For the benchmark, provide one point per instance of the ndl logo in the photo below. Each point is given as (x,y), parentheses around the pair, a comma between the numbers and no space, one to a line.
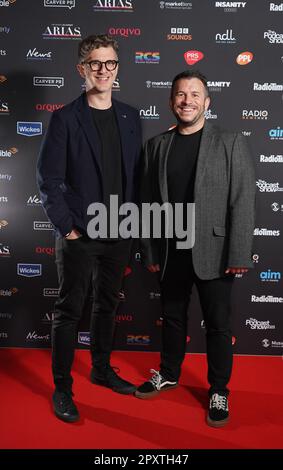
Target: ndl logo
(29,270)
(29,129)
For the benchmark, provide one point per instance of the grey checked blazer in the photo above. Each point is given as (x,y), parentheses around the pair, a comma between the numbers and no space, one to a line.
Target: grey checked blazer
(224,196)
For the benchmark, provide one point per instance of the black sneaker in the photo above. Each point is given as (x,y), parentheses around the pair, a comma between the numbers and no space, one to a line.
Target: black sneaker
(108,378)
(155,385)
(64,407)
(218,412)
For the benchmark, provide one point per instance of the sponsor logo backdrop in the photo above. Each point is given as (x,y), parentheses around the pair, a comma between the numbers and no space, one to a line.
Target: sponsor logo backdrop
(238,45)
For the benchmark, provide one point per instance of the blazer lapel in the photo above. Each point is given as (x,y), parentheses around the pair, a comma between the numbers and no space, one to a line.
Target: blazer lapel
(205,144)
(164,149)
(85,119)
(126,130)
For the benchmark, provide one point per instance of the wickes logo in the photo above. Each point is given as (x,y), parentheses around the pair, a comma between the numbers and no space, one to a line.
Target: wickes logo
(29,270)
(29,129)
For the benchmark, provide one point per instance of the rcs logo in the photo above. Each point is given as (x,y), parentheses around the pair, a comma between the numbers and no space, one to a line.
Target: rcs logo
(147,57)
(138,340)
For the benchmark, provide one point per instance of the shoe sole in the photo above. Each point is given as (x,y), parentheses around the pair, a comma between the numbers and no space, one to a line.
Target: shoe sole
(145,396)
(217,424)
(127,391)
(66,419)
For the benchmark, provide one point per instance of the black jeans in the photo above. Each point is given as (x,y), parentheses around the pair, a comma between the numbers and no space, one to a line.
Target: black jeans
(214,298)
(79,263)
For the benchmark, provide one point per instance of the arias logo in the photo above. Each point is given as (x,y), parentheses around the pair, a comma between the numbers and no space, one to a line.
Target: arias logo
(192,57)
(244,58)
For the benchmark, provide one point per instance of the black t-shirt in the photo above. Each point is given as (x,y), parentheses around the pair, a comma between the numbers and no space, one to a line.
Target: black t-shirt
(108,131)
(181,167)
(181,171)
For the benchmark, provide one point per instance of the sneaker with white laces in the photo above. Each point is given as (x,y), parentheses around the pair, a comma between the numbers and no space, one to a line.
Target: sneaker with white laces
(218,412)
(155,385)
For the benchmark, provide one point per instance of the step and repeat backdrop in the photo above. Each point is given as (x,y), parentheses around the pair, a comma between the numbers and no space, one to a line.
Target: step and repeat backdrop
(238,46)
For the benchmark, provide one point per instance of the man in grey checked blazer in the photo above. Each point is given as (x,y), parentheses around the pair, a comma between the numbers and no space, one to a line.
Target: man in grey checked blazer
(198,162)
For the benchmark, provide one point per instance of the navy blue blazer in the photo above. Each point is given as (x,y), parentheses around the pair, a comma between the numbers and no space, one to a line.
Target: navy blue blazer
(69,169)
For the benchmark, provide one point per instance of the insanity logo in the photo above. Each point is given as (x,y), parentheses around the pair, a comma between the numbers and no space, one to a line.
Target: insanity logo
(230,7)
(62,31)
(124,6)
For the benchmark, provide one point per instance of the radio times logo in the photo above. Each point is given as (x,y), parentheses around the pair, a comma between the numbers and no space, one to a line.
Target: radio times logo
(147,57)
(29,129)
(271,158)
(266,299)
(267,86)
(276,7)
(122,6)
(8,153)
(62,31)
(179,34)
(60,3)
(48,81)
(264,232)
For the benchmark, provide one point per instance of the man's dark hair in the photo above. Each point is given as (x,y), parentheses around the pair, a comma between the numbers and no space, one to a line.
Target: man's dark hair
(94,42)
(188,74)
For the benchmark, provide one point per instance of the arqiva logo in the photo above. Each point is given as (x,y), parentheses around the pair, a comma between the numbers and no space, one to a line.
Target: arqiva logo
(191,57)
(244,58)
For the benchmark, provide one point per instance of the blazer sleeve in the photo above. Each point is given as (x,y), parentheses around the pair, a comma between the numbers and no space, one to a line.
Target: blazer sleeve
(148,247)
(51,171)
(242,205)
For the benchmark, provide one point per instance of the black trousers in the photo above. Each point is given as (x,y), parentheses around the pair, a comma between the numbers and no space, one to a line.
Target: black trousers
(80,263)
(214,298)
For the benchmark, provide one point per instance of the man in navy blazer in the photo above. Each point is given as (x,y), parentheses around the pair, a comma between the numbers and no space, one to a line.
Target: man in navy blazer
(91,151)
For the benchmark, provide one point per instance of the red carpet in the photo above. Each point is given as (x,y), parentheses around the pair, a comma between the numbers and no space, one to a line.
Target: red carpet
(174,419)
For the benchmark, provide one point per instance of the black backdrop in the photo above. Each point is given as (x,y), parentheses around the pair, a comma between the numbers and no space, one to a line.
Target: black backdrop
(238,45)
